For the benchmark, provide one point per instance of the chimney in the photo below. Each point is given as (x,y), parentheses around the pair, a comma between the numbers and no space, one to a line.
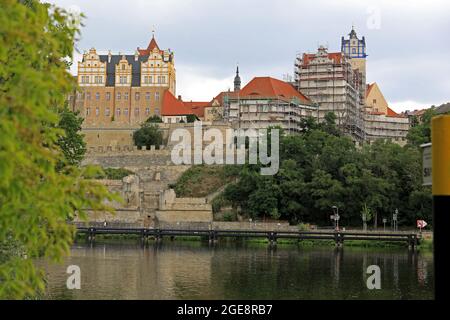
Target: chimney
(136,56)
(109,56)
(179,97)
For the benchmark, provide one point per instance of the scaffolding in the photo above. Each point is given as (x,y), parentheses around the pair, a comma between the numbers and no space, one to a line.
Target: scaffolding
(334,86)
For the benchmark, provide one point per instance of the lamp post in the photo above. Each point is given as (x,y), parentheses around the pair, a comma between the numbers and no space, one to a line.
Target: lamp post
(336,217)
(394,219)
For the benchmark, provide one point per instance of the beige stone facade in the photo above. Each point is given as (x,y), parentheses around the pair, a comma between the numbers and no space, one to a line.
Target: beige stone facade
(123,90)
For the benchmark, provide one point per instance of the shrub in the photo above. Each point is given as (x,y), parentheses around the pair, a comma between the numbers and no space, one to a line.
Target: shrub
(148,135)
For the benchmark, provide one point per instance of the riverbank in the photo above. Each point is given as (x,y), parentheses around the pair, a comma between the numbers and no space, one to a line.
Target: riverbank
(425,244)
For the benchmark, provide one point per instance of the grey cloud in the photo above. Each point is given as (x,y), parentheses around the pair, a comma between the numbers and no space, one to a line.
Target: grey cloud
(264,36)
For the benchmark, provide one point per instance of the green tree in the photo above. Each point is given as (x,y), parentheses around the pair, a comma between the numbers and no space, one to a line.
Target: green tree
(148,135)
(264,200)
(154,119)
(329,124)
(420,133)
(36,199)
(191,118)
(71,142)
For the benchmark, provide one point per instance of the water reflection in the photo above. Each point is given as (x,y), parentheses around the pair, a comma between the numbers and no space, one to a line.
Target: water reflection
(194,270)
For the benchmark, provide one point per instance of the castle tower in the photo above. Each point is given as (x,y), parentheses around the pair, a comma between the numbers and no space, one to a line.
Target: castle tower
(355,49)
(237,81)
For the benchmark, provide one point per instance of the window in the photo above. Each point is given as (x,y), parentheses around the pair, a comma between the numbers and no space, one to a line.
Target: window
(137,96)
(163,79)
(147,95)
(97,112)
(123,80)
(118,96)
(125,112)
(88,111)
(148,79)
(118,111)
(159,79)
(107,112)
(84,79)
(98,79)
(123,67)
(147,111)
(156,96)
(136,111)
(108,96)
(88,96)
(157,111)
(353,50)
(125,95)
(374,101)
(97,96)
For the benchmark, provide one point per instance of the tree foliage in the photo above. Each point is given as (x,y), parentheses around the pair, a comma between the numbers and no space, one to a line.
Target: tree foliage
(36,199)
(320,168)
(148,135)
(420,132)
(71,142)
(191,118)
(154,119)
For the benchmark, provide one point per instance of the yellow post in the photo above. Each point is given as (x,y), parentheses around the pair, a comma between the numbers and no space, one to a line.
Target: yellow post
(440,139)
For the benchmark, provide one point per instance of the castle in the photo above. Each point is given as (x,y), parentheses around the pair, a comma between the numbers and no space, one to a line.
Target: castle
(119,89)
(119,92)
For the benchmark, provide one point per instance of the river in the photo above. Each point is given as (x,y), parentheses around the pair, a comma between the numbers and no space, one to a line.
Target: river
(197,270)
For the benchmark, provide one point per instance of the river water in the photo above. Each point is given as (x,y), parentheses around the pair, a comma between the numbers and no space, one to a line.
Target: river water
(197,270)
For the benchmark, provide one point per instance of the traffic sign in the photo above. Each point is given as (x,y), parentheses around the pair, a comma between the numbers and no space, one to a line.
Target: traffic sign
(421,224)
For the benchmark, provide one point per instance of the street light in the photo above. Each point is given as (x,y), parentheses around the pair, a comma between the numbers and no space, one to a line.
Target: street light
(336,216)
(395,219)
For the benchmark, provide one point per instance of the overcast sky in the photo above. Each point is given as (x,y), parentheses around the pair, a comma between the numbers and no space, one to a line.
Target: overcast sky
(407,40)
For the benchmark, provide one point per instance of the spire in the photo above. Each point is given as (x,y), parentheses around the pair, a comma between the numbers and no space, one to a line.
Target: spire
(352,33)
(152,45)
(237,80)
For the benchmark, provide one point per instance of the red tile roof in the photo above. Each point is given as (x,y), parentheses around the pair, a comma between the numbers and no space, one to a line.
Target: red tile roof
(268,87)
(197,108)
(173,107)
(152,45)
(220,97)
(392,113)
(389,113)
(308,57)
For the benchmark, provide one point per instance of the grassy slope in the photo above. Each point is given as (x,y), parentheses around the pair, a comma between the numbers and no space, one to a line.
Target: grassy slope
(202,180)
